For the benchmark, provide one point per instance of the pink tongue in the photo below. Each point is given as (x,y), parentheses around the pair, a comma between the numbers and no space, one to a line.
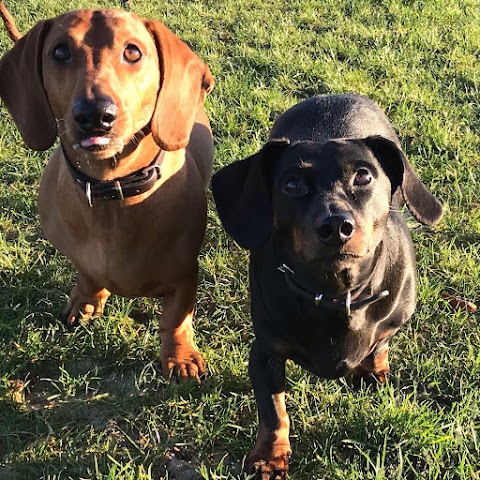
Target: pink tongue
(88,142)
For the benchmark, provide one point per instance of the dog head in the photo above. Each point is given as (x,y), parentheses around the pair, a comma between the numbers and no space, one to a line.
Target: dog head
(97,78)
(326,203)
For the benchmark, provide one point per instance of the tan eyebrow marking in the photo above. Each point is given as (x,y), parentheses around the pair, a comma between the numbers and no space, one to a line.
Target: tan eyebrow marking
(303,163)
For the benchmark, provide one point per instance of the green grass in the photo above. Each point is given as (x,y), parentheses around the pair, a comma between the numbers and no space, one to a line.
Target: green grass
(94,405)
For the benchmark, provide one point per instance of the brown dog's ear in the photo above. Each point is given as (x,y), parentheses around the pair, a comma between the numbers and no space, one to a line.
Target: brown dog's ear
(185,82)
(22,91)
(242,193)
(421,203)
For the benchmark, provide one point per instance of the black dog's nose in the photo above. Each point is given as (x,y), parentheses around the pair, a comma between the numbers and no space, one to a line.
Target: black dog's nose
(341,369)
(95,115)
(336,229)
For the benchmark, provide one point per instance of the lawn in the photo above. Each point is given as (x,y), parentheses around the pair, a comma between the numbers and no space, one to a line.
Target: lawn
(91,403)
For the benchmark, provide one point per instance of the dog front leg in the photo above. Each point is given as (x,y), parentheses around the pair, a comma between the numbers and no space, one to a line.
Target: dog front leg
(178,354)
(86,299)
(269,459)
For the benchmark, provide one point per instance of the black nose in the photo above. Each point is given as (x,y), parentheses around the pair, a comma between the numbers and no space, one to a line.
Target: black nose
(95,115)
(341,369)
(336,229)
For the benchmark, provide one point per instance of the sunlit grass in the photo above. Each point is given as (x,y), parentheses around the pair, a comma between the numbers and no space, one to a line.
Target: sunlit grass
(92,403)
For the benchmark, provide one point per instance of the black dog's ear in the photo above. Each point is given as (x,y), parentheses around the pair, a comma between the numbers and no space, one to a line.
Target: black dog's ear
(242,193)
(421,203)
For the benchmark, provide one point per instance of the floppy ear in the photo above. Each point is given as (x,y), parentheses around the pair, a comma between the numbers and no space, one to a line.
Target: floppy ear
(421,203)
(242,193)
(185,82)
(22,91)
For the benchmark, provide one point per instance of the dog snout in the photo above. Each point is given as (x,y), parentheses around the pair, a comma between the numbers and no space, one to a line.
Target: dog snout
(95,115)
(342,368)
(335,229)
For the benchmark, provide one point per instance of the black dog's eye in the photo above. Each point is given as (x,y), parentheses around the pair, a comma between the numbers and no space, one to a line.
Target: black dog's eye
(294,187)
(61,53)
(132,53)
(362,177)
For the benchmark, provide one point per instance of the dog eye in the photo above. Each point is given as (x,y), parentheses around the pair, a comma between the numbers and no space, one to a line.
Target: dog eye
(61,53)
(132,53)
(294,187)
(362,177)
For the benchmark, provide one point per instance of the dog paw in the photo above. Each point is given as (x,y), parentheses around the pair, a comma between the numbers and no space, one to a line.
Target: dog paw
(79,313)
(275,468)
(184,363)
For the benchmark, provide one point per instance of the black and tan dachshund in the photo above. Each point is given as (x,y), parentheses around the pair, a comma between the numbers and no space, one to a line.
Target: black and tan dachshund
(332,266)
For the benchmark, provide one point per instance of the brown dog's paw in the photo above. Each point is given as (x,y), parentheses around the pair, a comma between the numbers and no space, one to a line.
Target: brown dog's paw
(77,313)
(275,468)
(184,363)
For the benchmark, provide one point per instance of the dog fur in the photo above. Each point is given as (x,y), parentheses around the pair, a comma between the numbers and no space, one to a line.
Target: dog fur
(117,89)
(321,201)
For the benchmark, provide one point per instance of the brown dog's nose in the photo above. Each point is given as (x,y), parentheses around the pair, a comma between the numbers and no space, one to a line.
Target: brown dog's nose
(95,115)
(336,229)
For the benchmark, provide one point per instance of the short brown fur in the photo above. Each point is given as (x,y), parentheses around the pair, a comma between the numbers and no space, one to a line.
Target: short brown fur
(144,245)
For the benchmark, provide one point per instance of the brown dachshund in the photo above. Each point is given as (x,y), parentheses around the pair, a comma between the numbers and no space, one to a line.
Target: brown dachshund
(123,196)
(332,267)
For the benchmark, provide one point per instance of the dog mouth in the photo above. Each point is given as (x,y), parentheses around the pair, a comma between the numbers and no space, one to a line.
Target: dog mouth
(336,257)
(98,145)
(341,256)
(93,143)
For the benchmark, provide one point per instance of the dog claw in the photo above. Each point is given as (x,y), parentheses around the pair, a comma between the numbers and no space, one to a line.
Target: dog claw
(264,472)
(75,316)
(273,469)
(184,365)
(80,313)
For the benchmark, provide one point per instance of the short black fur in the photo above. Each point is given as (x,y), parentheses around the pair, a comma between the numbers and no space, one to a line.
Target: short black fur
(322,198)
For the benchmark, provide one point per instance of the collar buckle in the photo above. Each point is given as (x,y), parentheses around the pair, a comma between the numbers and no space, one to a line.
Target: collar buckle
(120,188)
(284,268)
(348,303)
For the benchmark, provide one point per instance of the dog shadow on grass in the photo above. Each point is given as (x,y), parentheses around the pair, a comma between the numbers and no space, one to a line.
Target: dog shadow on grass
(92,401)
(85,416)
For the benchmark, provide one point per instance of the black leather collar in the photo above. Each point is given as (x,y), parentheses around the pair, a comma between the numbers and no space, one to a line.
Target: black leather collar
(347,304)
(122,187)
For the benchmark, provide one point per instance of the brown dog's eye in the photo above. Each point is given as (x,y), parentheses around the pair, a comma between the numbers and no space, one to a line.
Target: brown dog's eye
(61,53)
(362,177)
(132,53)
(294,187)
